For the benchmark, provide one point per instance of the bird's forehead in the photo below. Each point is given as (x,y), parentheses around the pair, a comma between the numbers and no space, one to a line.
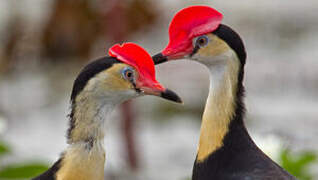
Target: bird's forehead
(117,68)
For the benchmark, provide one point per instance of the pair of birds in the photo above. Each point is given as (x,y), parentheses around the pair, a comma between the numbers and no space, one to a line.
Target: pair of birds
(225,152)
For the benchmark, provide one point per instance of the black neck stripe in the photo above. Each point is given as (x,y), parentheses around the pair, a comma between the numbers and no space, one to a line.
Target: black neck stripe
(233,40)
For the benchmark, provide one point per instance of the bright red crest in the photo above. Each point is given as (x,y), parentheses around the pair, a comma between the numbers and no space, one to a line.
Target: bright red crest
(135,56)
(188,23)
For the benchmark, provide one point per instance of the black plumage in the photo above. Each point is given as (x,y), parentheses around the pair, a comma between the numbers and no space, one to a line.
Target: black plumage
(50,173)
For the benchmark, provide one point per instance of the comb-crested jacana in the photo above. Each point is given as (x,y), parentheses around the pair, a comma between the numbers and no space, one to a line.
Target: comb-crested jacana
(127,73)
(226,150)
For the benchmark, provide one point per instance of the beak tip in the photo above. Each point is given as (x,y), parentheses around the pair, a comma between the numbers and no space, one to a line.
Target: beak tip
(159,58)
(179,101)
(172,96)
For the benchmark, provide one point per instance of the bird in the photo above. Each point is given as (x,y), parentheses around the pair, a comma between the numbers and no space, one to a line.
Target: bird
(225,151)
(128,72)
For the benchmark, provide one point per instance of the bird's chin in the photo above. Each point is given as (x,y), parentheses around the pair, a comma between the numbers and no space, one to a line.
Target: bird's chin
(193,58)
(209,61)
(126,95)
(134,94)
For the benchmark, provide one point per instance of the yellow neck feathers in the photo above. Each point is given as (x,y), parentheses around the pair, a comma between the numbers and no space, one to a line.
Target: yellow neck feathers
(220,107)
(88,120)
(82,163)
(85,156)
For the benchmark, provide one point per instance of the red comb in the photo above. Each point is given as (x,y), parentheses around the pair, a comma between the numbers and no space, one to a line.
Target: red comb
(135,56)
(188,23)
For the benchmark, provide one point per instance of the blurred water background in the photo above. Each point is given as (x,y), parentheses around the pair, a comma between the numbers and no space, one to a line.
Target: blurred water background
(44,44)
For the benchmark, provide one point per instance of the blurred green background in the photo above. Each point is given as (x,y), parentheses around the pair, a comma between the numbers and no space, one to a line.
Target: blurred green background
(44,44)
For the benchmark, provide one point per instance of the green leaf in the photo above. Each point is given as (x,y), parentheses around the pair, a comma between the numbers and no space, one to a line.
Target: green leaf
(21,171)
(4,149)
(298,164)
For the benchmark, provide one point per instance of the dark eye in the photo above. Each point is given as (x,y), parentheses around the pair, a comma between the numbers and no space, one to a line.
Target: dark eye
(202,41)
(128,74)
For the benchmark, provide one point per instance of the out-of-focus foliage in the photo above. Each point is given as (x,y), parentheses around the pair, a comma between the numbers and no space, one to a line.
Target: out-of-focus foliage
(298,164)
(4,149)
(22,171)
(73,28)
(71,31)
(140,13)
(18,171)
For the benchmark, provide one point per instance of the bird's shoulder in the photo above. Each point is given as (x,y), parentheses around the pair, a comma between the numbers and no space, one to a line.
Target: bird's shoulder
(250,164)
(50,173)
(257,166)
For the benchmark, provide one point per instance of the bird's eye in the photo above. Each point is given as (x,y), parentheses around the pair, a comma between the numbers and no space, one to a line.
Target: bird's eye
(128,74)
(202,41)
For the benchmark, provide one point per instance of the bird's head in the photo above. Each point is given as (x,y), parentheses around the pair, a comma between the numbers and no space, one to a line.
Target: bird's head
(196,33)
(127,73)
